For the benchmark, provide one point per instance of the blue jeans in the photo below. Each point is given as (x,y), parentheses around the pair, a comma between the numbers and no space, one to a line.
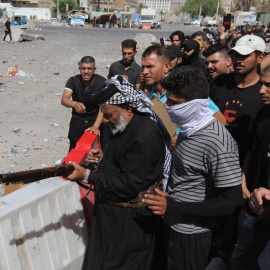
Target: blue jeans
(251,242)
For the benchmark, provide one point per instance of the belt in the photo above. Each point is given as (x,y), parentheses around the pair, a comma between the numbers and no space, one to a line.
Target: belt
(135,203)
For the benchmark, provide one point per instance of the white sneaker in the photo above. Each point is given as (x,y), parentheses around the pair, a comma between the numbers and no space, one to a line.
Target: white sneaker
(216,263)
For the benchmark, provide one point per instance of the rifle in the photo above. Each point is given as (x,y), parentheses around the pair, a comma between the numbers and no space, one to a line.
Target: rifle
(78,154)
(25,177)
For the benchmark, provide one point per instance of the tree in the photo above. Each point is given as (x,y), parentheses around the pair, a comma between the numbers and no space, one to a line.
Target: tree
(209,7)
(72,4)
(140,6)
(2,12)
(178,11)
(245,5)
(264,8)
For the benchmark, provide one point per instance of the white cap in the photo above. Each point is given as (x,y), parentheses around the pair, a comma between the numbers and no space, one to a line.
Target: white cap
(248,44)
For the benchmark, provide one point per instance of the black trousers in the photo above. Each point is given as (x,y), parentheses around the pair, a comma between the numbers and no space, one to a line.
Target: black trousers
(121,238)
(77,128)
(187,251)
(7,33)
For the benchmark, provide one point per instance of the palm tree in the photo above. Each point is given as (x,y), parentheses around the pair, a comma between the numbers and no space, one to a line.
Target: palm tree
(245,5)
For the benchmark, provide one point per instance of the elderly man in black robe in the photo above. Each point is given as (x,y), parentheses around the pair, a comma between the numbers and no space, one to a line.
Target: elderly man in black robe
(123,231)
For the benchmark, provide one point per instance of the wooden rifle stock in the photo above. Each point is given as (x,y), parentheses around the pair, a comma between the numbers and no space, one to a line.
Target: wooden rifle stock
(29,176)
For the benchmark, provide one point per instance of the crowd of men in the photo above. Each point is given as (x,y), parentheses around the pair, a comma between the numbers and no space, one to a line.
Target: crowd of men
(175,201)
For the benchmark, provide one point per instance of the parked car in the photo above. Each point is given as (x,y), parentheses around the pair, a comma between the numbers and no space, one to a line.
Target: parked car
(208,21)
(187,22)
(195,22)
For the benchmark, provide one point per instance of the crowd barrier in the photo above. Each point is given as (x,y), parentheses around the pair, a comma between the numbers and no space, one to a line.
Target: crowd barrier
(42,226)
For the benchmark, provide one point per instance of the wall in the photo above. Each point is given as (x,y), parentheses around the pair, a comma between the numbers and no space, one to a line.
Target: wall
(40,13)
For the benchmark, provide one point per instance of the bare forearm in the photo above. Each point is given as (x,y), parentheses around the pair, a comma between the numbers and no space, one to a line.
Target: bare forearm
(99,119)
(68,102)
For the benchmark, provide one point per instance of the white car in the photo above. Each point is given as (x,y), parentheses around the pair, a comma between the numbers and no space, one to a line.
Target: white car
(208,21)
(196,22)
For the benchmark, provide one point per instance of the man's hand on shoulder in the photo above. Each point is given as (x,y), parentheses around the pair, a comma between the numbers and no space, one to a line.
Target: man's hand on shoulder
(156,203)
(79,107)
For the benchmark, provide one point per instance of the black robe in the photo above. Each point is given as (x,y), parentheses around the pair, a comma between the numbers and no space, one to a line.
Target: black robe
(124,238)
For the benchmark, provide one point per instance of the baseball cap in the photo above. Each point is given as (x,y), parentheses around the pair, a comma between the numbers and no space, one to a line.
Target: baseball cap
(248,44)
(191,44)
(174,51)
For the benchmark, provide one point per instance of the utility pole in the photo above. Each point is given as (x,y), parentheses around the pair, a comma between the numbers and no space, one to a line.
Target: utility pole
(200,10)
(57,10)
(217,10)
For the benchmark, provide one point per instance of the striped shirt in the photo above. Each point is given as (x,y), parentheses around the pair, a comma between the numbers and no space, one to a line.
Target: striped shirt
(202,163)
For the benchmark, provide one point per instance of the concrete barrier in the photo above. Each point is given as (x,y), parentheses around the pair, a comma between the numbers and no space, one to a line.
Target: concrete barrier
(145,40)
(42,227)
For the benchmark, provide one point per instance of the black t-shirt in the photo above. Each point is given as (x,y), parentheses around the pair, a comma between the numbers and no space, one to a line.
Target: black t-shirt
(259,169)
(7,25)
(133,72)
(239,106)
(83,94)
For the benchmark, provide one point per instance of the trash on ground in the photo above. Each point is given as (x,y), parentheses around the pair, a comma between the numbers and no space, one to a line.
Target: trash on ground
(54,125)
(46,140)
(59,161)
(59,94)
(16,130)
(59,138)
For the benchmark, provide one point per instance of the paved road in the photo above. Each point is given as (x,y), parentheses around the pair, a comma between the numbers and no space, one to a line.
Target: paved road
(119,34)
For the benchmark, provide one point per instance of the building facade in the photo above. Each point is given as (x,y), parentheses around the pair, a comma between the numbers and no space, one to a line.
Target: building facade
(226,4)
(162,5)
(31,3)
(176,5)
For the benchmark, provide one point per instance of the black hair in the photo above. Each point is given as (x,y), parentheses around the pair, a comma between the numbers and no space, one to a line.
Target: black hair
(221,48)
(187,82)
(266,70)
(180,34)
(129,43)
(257,53)
(199,33)
(87,60)
(158,50)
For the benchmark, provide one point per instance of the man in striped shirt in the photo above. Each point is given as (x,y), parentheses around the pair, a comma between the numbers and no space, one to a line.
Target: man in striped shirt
(205,180)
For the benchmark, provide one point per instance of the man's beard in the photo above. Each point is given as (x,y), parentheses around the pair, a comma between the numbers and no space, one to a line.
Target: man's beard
(244,74)
(121,124)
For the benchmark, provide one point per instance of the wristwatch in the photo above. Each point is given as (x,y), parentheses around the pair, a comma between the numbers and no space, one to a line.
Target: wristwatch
(85,179)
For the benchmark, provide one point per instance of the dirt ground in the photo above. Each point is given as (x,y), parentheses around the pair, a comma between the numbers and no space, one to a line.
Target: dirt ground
(31,103)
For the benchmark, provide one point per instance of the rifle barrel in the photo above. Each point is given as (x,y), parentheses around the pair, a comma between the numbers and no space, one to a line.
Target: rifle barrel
(35,175)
